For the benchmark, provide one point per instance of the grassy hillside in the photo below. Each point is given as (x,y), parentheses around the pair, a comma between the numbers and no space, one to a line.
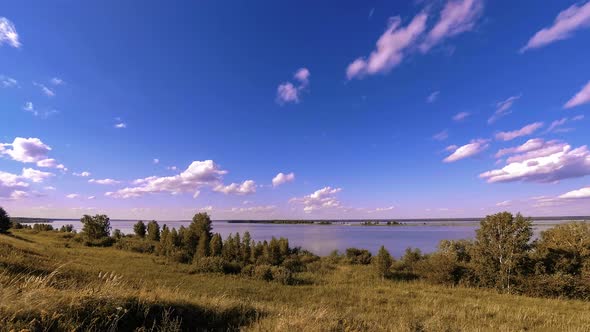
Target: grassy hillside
(48,282)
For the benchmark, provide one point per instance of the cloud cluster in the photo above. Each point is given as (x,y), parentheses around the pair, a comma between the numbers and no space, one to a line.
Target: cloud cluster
(8,33)
(8,82)
(577,194)
(540,161)
(474,147)
(524,131)
(566,23)
(13,186)
(399,41)
(320,199)
(288,92)
(282,178)
(503,108)
(199,174)
(582,97)
(104,181)
(30,150)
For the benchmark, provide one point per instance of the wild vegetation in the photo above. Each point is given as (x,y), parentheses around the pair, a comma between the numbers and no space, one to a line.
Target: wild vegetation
(172,280)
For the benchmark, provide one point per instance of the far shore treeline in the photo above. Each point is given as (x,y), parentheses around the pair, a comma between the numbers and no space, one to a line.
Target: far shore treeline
(503,255)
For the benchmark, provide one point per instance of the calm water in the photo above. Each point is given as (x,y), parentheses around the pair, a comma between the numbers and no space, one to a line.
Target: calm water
(322,239)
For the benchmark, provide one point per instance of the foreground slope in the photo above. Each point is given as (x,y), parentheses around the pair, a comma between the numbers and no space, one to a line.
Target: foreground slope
(48,282)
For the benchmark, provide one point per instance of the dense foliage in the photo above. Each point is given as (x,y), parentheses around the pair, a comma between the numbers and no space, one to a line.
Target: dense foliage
(5,223)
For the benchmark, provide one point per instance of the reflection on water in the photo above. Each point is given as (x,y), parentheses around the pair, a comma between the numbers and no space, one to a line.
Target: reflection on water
(323,239)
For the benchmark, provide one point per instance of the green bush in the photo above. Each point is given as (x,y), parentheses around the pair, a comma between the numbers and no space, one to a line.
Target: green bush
(209,265)
(136,245)
(5,223)
(282,275)
(42,227)
(262,272)
(67,228)
(358,256)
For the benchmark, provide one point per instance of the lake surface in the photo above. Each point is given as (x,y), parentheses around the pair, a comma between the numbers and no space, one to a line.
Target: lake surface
(323,239)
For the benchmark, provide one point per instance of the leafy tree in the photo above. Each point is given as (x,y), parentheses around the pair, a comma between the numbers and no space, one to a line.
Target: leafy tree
(96,227)
(139,229)
(203,246)
(500,249)
(358,256)
(201,223)
(153,231)
(565,249)
(5,223)
(246,247)
(383,262)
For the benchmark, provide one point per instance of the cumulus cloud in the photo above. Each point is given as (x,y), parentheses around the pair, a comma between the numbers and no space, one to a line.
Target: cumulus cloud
(26,150)
(199,174)
(432,97)
(72,196)
(574,18)
(540,161)
(245,188)
(10,184)
(120,125)
(457,16)
(443,135)
(8,33)
(503,108)
(391,48)
(288,92)
(8,82)
(324,198)
(577,194)
(34,175)
(56,81)
(282,178)
(460,116)
(82,174)
(468,150)
(104,181)
(582,97)
(524,131)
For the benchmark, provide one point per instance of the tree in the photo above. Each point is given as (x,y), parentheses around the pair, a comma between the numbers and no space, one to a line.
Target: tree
(501,248)
(201,223)
(203,246)
(383,262)
(153,231)
(96,227)
(216,245)
(5,223)
(139,229)
(565,249)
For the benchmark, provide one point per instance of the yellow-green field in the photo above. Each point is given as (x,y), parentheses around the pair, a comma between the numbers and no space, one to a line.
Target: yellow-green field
(49,282)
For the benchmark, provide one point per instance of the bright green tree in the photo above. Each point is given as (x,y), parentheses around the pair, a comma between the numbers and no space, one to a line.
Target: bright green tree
(96,227)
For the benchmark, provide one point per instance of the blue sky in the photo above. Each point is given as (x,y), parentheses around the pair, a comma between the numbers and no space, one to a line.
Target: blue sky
(369,109)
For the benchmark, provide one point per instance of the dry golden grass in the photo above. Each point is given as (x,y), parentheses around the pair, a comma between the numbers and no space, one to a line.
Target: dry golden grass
(47,278)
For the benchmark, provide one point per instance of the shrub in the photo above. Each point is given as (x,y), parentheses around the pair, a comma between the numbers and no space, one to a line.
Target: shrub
(383,262)
(117,235)
(358,256)
(136,245)
(209,265)
(139,229)
(67,228)
(42,227)
(282,275)
(5,223)
(262,272)
(153,231)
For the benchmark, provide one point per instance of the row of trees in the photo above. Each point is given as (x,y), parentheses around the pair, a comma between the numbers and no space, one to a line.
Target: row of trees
(503,256)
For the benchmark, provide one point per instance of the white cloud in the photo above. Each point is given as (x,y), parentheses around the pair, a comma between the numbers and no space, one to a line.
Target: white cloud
(287,92)
(172,168)
(56,81)
(451,148)
(8,33)
(391,48)
(457,16)
(524,131)
(566,23)
(35,175)
(282,178)
(577,194)
(26,150)
(503,108)
(245,188)
(556,124)
(254,209)
(49,188)
(443,135)
(461,116)
(582,97)
(156,161)
(91,197)
(104,181)
(82,174)
(468,150)
(51,163)
(120,125)
(432,97)
(8,82)
(44,89)
(389,208)
(72,196)
(542,162)
(200,174)
(302,75)
(320,199)
(504,203)
(11,183)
